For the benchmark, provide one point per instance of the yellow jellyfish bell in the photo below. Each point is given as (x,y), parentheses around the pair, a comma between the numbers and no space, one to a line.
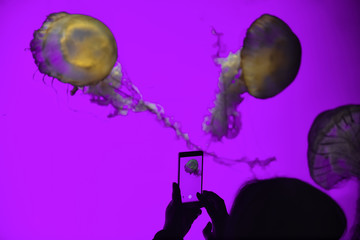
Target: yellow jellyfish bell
(74,48)
(270,57)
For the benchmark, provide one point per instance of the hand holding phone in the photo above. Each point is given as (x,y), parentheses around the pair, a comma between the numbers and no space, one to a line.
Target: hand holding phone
(179,217)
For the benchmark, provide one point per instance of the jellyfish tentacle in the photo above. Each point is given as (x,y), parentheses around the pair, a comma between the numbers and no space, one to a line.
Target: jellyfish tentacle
(123,95)
(224,113)
(350,115)
(218,44)
(43,79)
(234,125)
(111,91)
(35,73)
(250,162)
(74,90)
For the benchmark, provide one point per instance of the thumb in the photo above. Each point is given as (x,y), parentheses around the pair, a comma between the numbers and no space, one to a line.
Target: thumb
(207,231)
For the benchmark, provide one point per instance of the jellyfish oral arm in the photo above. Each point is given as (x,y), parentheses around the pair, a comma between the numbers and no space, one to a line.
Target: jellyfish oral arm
(224,119)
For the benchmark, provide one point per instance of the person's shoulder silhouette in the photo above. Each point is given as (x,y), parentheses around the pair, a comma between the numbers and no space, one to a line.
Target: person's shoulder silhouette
(284,208)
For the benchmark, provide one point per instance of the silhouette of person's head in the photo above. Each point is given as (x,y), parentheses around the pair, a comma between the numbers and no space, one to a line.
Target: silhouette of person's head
(284,208)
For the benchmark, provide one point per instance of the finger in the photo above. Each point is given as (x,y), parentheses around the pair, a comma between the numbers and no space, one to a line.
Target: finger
(215,200)
(203,201)
(198,195)
(176,197)
(192,205)
(193,216)
(210,197)
(197,213)
(191,210)
(207,230)
(213,196)
(209,206)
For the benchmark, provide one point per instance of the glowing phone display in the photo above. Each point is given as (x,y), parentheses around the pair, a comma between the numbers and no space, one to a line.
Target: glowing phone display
(190,176)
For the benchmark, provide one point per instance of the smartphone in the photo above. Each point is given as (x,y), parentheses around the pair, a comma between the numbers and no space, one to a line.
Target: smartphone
(190,175)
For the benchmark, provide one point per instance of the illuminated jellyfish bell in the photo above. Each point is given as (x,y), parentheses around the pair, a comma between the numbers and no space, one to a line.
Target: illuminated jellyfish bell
(334,146)
(192,167)
(74,48)
(334,150)
(270,57)
(267,63)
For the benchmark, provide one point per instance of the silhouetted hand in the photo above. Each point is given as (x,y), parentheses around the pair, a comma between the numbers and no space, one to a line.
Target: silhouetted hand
(215,206)
(179,217)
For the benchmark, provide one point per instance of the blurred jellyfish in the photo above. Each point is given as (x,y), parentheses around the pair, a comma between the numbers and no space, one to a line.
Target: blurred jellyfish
(267,63)
(192,167)
(81,51)
(334,150)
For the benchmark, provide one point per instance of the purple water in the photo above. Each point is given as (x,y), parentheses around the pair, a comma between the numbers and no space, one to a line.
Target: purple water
(69,172)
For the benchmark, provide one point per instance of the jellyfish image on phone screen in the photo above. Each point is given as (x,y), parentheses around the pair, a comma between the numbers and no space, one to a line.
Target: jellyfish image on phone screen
(334,151)
(266,64)
(192,167)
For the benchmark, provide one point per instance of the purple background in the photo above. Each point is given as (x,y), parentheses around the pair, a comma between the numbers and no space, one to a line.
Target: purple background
(68,172)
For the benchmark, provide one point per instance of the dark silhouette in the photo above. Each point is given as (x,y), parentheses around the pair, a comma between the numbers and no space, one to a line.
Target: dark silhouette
(178,217)
(284,208)
(278,208)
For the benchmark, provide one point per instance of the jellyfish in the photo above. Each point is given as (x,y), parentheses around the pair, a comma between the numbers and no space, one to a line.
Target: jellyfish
(192,167)
(74,48)
(267,63)
(334,151)
(81,51)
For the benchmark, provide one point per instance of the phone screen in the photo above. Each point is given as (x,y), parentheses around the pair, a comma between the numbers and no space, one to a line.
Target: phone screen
(190,176)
